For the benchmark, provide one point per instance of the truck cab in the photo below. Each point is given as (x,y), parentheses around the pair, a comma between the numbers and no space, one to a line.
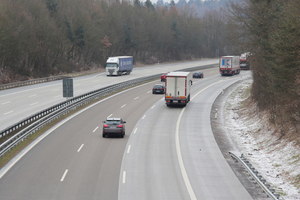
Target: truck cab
(117,66)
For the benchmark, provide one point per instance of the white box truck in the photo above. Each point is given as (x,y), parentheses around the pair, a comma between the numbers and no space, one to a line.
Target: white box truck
(119,65)
(178,85)
(229,65)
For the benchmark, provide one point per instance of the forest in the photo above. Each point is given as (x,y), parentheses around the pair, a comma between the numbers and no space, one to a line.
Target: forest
(270,30)
(41,38)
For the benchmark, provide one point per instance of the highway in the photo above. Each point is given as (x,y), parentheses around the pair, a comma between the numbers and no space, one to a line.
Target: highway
(167,153)
(173,153)
(18,103)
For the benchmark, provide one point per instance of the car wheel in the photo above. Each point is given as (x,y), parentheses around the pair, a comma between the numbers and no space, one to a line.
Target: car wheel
(103,135)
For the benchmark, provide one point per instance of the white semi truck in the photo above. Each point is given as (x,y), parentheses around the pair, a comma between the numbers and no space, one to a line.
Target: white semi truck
(178,85)
(119,65)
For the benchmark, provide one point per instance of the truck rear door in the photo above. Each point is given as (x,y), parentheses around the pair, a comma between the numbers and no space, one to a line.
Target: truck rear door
(181,86)
(170,87)
(226,63)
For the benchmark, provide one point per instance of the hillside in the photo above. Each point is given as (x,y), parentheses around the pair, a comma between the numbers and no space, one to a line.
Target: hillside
(275,157)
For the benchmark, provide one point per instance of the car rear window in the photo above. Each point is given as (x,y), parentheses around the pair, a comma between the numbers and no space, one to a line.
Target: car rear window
(158,86)
(113,122)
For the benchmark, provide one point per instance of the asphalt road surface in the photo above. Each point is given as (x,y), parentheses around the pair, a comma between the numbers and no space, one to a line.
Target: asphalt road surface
(18,103)
(167,153)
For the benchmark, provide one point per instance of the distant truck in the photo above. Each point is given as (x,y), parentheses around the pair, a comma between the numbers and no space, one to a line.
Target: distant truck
(177,88)
(245,60)
(119,65)
(229,65)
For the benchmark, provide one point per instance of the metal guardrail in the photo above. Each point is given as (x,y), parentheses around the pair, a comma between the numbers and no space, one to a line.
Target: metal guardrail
(37,121)
(256,176)
(46,116)
(30,82)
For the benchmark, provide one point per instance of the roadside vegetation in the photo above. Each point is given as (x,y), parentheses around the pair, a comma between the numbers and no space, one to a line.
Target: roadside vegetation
(40,38)
(270,30)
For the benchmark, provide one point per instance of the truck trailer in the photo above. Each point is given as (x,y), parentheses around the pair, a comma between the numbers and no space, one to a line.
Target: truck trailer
(119,65)
(178,85)
(245,61)
(229,65)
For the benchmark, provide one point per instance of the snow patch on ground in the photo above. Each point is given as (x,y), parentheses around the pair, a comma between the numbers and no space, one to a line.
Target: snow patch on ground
(277,160)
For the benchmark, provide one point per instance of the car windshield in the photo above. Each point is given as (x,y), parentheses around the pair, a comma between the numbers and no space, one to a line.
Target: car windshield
(113,122)
(111,65)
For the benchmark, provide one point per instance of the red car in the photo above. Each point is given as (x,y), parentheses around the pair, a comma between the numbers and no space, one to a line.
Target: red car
(163,77)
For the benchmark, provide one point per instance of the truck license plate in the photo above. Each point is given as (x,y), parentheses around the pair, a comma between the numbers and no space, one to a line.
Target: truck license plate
(175,101)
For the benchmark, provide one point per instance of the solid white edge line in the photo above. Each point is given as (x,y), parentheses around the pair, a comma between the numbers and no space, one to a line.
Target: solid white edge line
(124,177)
(129,147)
(180,160)
(95,129)
(178,151)
(64,175)
(80,148)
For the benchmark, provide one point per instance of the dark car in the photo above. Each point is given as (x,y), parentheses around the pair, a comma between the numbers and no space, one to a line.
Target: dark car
(113,127)
(158,88)
(163,77)
(198,74)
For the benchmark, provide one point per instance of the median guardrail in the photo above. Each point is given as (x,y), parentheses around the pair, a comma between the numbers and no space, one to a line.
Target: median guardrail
(35,122)
(30,82)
